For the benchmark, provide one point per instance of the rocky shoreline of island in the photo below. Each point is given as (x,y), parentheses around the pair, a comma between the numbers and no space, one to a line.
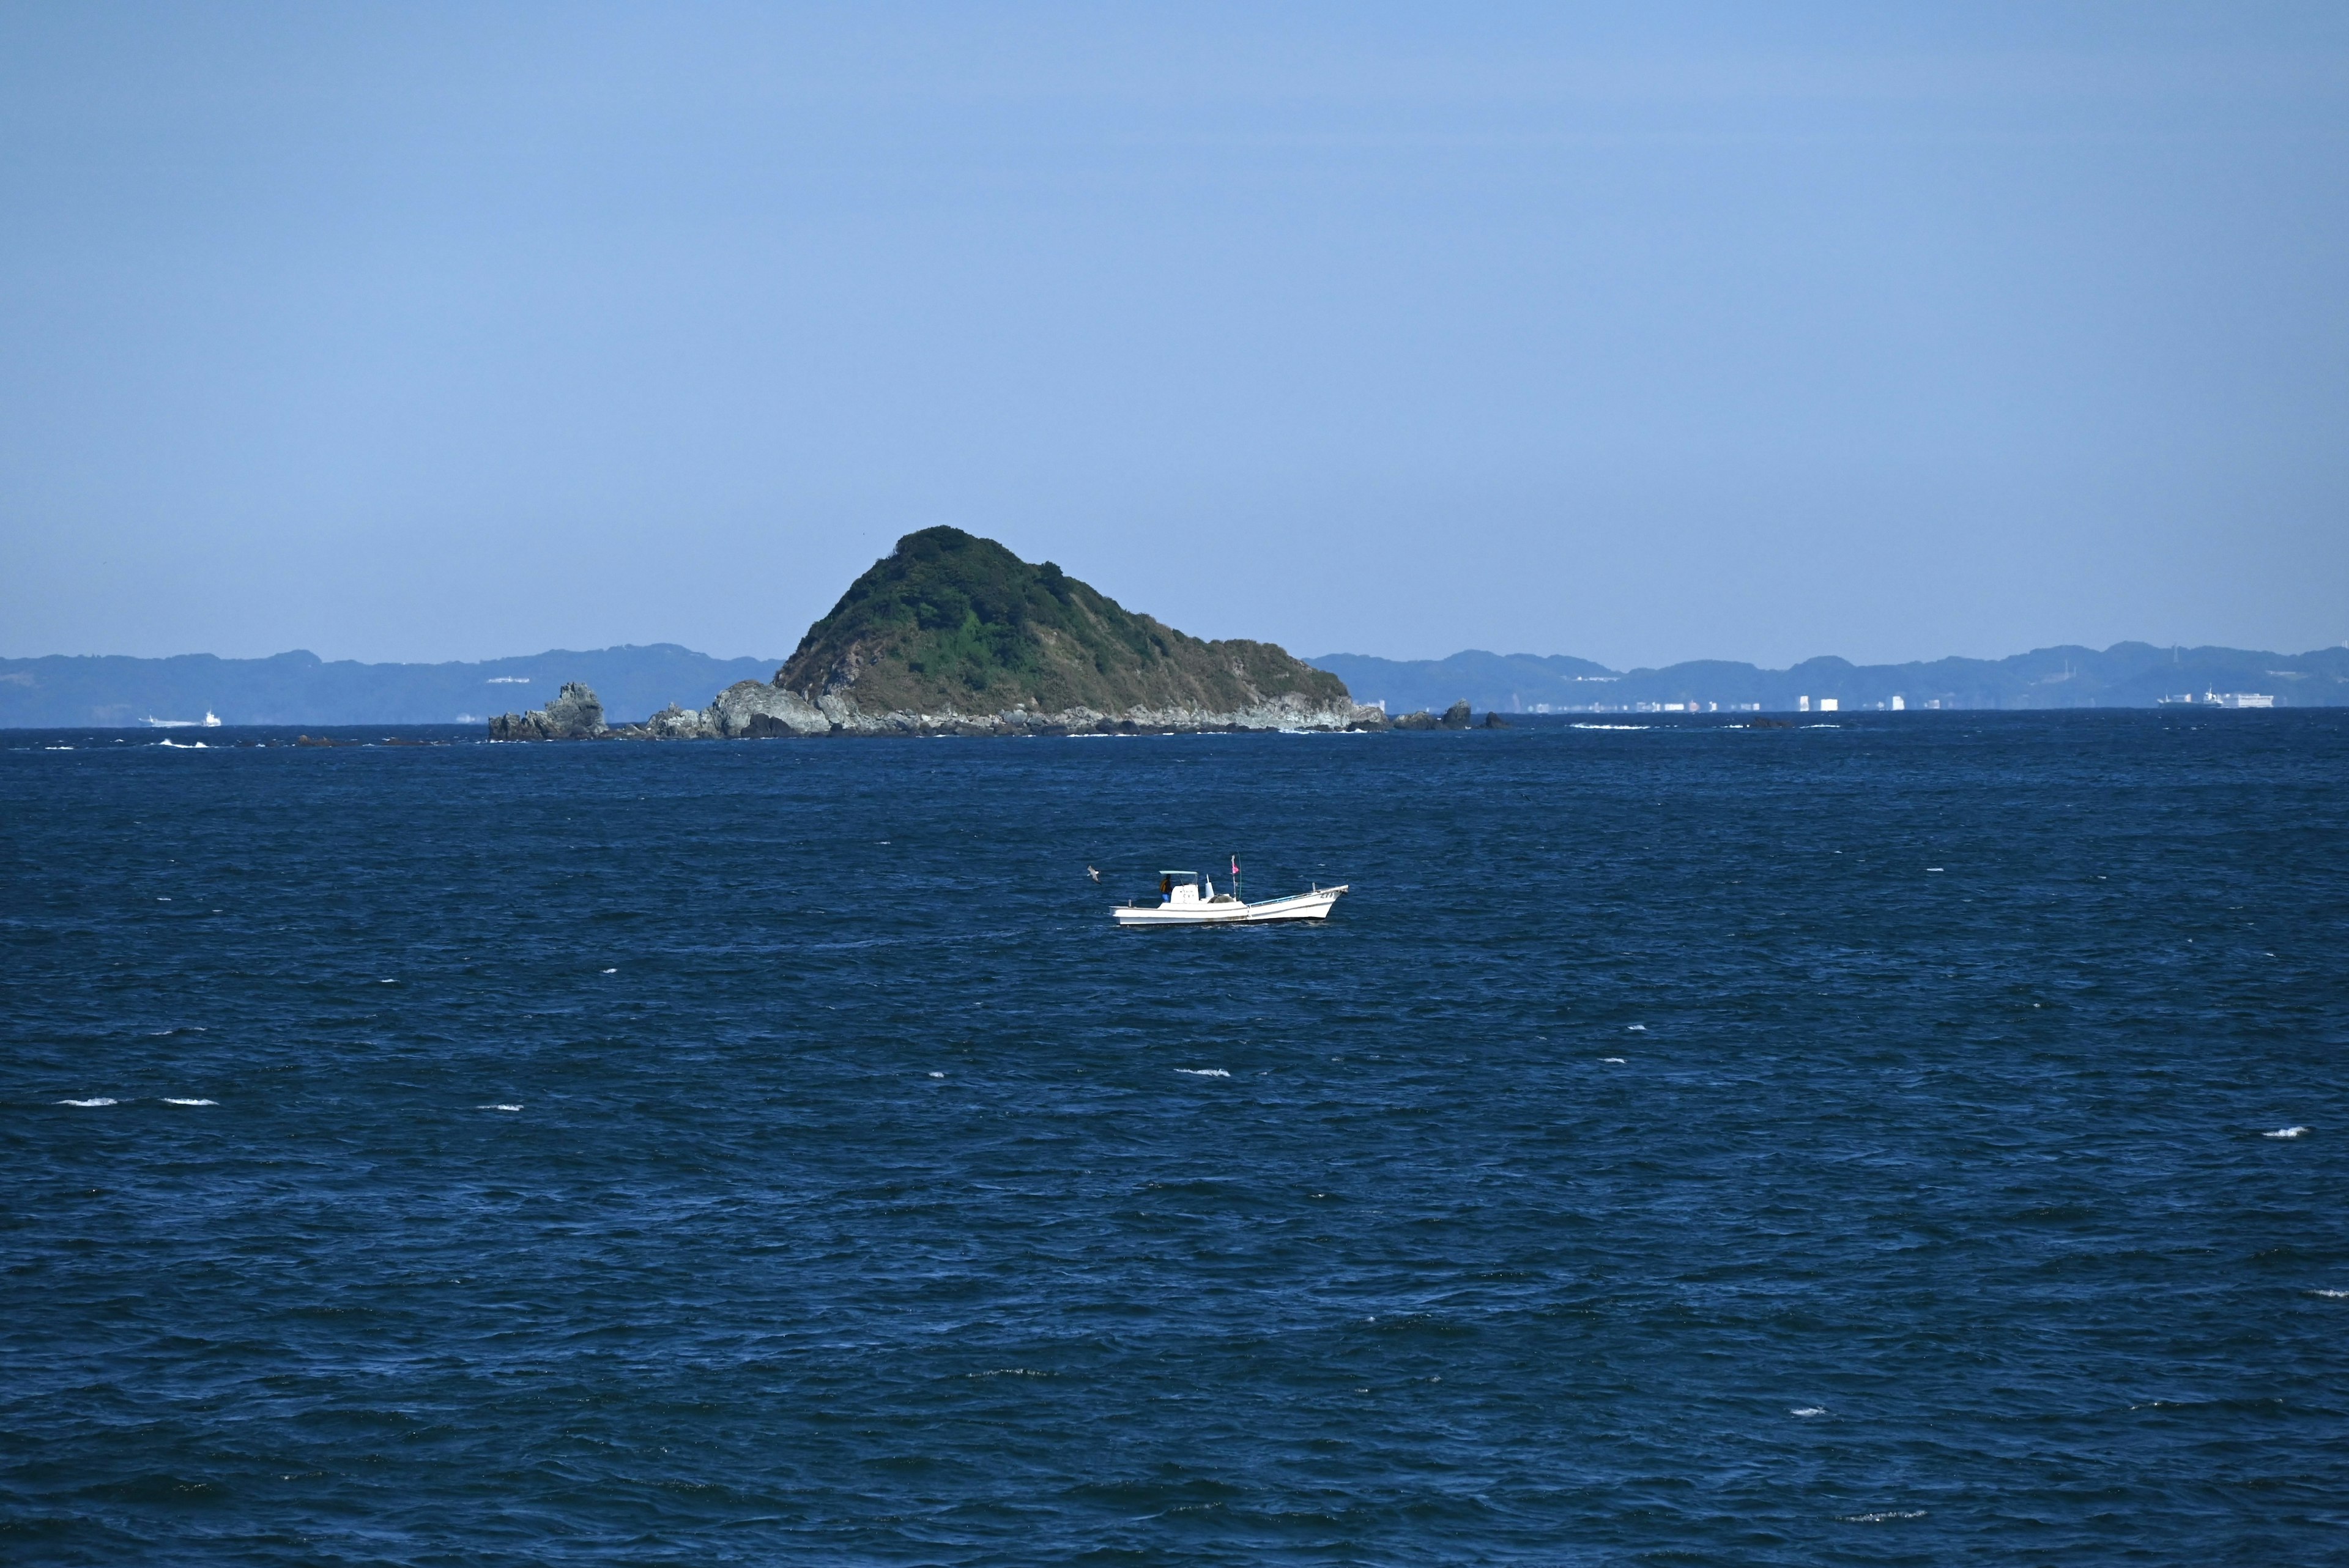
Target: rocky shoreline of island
(750,710)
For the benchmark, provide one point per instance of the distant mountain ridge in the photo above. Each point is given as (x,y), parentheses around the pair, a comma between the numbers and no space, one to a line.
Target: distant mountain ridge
(62,692)
(299,688)
(2125,675)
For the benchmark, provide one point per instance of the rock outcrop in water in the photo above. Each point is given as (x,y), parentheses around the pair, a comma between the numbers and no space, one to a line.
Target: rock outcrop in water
(952,634)
(1457,717)
(575,714)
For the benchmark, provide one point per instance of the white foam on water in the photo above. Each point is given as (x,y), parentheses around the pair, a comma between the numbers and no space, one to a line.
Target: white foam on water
(1933,867)
(611,971)
(938,1074)
(1880,1518)
(387,982)
(1610,726)
(1617,1060)
(1809,1410)
(1203,1072)
(162,901)
(1635,1029)
(170,1101)
(2286,1132)
(96,1102)
(2332,1295)
(497,1107)
(57,748)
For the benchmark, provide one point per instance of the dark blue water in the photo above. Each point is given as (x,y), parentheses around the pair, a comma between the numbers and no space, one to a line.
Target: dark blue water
(1685,1145)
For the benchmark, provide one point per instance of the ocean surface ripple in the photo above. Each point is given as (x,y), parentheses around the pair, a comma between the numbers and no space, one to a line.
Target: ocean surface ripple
(1913,1140)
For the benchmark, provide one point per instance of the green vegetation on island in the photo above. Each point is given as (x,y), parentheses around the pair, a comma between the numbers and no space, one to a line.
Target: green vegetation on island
(948,621)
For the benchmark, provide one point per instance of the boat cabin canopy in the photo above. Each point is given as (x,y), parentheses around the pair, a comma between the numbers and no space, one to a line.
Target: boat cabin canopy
(1182,887)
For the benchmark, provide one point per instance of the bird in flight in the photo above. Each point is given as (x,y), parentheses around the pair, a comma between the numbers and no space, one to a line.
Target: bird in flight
(1092,873)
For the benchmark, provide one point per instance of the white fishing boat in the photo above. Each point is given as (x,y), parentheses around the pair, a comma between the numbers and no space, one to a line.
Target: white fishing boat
(1189,898)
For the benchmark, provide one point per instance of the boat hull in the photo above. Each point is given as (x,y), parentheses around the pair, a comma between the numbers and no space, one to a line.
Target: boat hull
(1313,906)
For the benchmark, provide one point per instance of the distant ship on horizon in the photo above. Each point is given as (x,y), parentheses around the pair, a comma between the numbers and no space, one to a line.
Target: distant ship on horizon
(211,721)
(2222,700)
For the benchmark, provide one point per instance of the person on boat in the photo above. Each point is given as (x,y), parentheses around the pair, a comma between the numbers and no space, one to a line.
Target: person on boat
(1166,887)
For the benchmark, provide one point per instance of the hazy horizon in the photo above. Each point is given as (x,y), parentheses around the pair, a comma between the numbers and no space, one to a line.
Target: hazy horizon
(1641,337)
(1310,656)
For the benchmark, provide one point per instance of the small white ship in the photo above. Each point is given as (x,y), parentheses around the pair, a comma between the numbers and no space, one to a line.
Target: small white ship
(1189,898)
(2222,700)
(211,721)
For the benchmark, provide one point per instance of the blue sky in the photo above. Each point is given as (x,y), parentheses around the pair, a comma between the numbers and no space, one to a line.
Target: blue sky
(1637,332)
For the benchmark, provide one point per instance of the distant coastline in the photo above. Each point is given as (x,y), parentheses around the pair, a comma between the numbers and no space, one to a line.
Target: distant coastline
(2125,675)
(114,691)
(109,691)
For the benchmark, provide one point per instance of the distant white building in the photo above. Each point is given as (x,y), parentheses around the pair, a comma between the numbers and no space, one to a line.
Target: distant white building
(1830,704)
(1900,703)
(1802,704)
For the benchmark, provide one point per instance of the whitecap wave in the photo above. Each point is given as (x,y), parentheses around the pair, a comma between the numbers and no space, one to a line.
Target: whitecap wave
(101,1101)
(1610,726)
(497,1107)
(2287,1132)
(1203,1072)
(170,1101)
(1635,1029)
(1617,1060)
(1809,1410)
(2332,1295)
(1880,1518)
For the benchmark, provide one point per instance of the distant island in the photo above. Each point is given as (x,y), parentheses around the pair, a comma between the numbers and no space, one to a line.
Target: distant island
(952,633)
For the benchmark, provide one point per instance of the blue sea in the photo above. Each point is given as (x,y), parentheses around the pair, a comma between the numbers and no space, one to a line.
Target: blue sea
(1907,1138)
